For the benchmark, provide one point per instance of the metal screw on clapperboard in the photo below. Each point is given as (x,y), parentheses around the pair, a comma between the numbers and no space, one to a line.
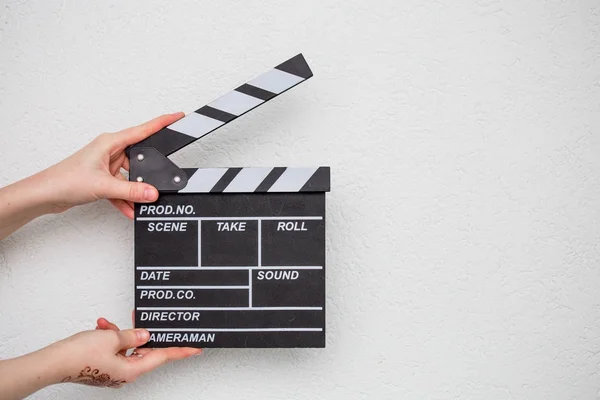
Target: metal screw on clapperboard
(230,257)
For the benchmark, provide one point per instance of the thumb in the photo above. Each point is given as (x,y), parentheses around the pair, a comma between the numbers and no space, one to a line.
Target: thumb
(132,338)
(136,192)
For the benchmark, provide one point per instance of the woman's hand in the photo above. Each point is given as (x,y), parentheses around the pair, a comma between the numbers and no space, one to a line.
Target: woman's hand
(98,358)
(92,173)
(106,325)
(95,358)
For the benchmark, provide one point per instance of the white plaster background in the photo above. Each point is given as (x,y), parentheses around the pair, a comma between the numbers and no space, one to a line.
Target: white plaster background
(463,232)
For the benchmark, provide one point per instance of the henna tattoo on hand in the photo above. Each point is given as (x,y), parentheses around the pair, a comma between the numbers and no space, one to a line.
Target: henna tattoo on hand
(93,377)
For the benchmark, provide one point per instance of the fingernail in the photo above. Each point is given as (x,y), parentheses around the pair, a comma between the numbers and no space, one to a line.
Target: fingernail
(142,334)
(149,194)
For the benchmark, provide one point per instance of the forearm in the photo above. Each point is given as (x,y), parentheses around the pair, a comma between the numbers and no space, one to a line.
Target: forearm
(24,201)
(22,376)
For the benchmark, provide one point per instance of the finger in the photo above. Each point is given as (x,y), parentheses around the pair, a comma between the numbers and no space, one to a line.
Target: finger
(105,324)
(123,206)
(158,357)
(137,192)
(120,177)
(138,133)
(138,352)
(131,338)
(125,164)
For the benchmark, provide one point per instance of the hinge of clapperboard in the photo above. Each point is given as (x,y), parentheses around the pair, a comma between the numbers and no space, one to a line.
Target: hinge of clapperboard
(149,160)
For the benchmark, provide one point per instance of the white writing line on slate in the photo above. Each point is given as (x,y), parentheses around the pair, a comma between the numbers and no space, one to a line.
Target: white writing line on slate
(229,308)
(235,329)
(211,268)
(192,287)
(227,218)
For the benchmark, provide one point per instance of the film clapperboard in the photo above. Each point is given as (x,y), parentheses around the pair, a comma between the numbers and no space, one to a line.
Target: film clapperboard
(230,257)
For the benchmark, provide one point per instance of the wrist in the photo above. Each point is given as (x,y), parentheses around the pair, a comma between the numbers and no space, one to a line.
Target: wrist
(21,203)
(30,197)
(47,194)
(22,376)
(55,363)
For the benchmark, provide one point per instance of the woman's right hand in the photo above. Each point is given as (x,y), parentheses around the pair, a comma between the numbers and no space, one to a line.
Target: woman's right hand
(95,358)
(98,357)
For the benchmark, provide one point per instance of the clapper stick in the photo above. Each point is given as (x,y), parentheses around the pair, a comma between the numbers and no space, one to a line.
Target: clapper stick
(230,257)
(230,106)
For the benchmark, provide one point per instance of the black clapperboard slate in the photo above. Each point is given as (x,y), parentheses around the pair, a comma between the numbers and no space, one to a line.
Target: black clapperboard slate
(230,257)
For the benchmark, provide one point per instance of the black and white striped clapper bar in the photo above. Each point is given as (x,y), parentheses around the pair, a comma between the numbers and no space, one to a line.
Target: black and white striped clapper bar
(230,257)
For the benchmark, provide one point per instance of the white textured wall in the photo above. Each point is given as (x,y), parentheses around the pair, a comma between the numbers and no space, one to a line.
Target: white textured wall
(463,237)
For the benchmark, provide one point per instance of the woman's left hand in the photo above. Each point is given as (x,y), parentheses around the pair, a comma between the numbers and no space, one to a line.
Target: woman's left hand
(94,172)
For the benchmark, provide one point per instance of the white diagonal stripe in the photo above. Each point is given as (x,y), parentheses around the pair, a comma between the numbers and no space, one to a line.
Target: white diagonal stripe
(235,103)
(196,125)
(247,180)
(292,179)
(275,81)
(203,180)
